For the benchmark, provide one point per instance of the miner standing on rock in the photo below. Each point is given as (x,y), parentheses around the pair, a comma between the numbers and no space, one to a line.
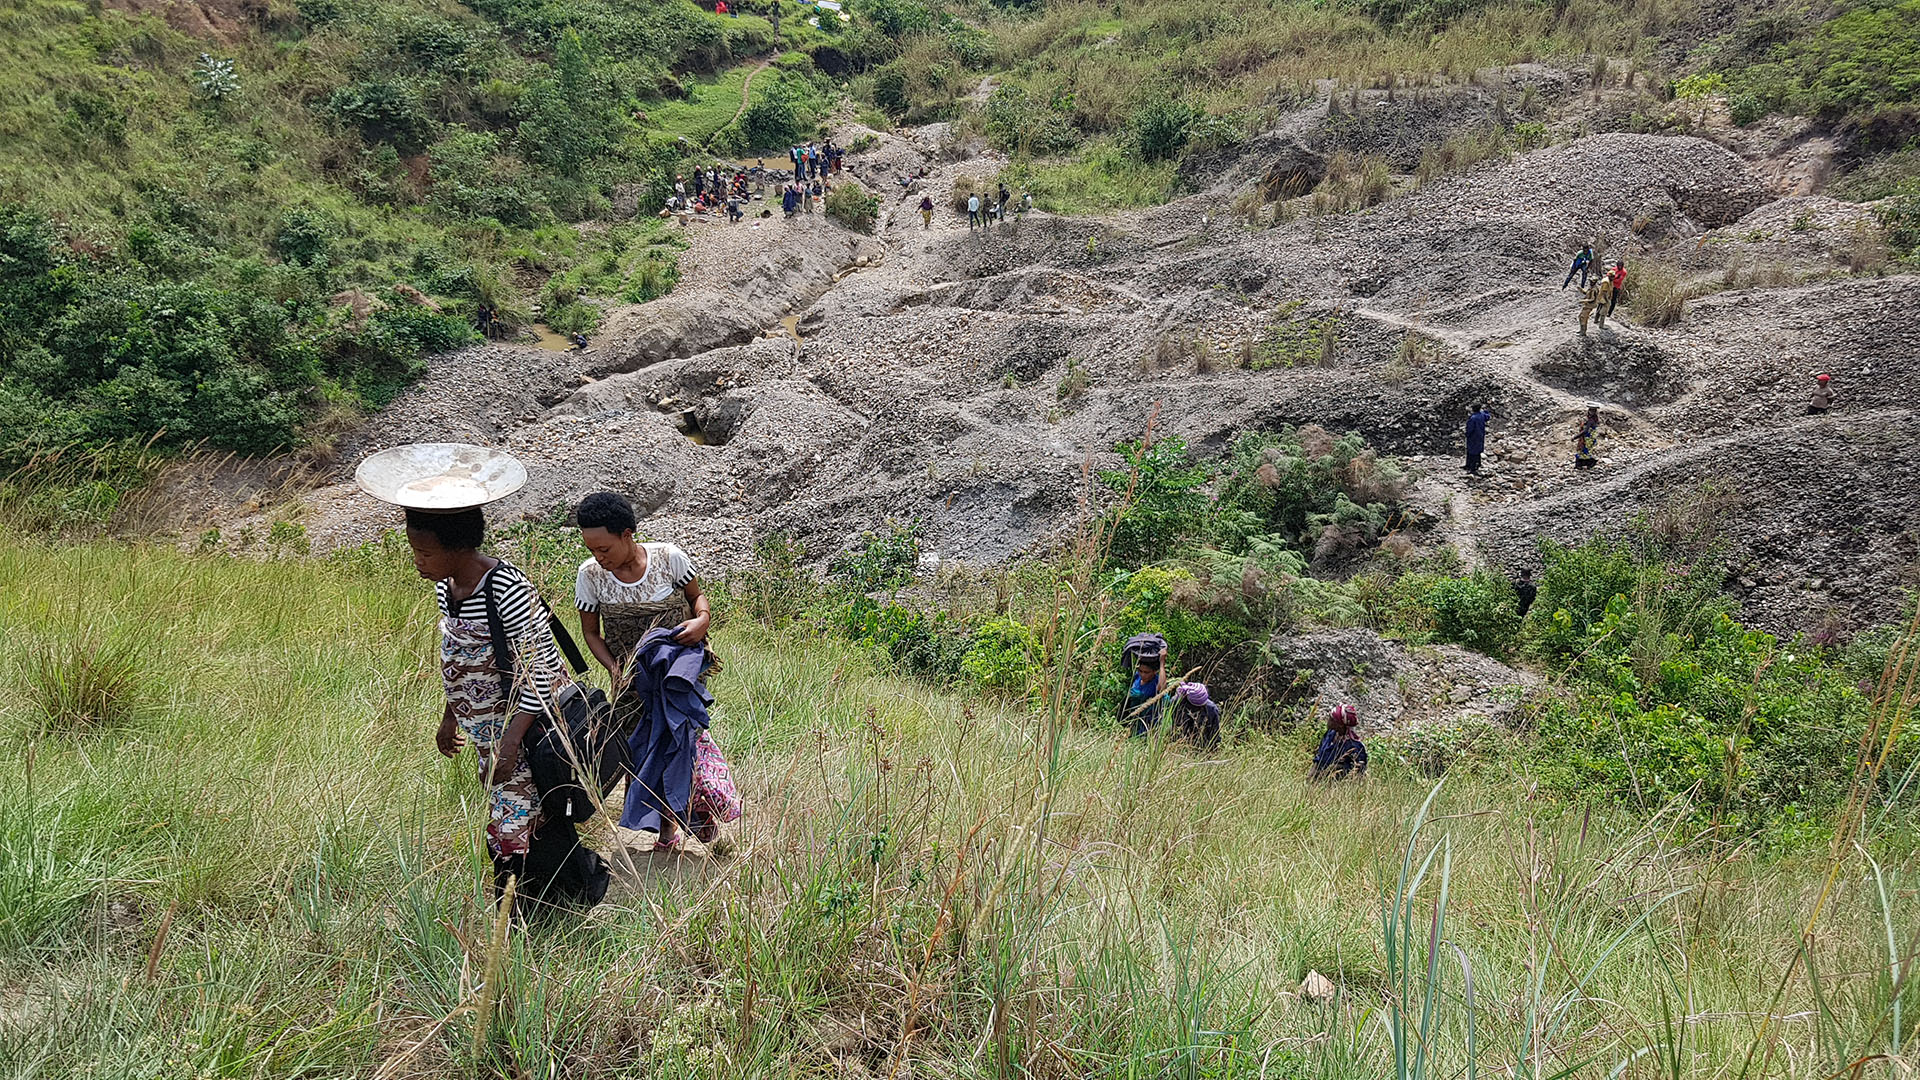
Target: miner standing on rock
(1582,262)
(1477,436)
(1595,301)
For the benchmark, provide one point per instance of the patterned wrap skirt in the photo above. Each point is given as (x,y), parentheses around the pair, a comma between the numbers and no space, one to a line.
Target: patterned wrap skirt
(473,689)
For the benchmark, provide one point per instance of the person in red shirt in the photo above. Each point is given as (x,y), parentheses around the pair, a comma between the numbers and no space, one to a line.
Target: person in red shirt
(1619,276)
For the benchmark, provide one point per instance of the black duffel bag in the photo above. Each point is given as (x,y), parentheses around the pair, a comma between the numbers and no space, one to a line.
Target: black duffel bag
(578,730)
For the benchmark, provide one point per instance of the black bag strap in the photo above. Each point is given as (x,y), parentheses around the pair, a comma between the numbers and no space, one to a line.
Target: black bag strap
(503,647)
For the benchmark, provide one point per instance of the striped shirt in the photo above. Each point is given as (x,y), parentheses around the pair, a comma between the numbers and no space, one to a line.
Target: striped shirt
(525,620)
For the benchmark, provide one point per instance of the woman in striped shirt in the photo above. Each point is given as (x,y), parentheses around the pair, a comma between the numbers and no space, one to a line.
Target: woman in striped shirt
(544,855)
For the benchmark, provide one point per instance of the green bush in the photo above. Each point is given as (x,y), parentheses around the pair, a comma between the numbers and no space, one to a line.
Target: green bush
(1730,722)
(1862,60)
(386,110)
(880,562)
(1479,611)
(1004,654)
(890,90)
(304,237)
(895,17)
(852,206)
(1161,128)
(1331,496)
(1162,504)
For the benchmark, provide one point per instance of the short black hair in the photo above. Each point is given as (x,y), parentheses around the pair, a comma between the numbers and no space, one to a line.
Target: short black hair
(607,510)
(461,530)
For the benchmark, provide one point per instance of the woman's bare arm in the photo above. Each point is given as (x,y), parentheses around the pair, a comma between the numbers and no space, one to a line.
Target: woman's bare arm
(597,645)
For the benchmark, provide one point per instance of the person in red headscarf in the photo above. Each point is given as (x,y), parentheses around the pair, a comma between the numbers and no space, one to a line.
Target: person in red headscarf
(1341,753)
(1822,395)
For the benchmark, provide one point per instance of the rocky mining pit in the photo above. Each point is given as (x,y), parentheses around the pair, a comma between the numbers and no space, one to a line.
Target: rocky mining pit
(809,380)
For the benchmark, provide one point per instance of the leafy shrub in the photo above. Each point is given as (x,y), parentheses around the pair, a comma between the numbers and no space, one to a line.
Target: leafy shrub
(1003,654)
(928,645)
(774,121)
(1479,611)
(1328,495)
(388,352)
(1162,501)
(472,178)
(1863,60)
(895,17)
(880,562)
(304,237)
(384,110)
(570,120)
(1159,600)
(852,206)
(1434,749)
(1161,128)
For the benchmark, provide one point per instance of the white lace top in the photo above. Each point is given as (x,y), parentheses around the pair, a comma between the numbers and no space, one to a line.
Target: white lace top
(668,571)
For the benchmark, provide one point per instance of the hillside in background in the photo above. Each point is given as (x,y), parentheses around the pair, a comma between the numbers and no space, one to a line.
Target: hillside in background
(264,215)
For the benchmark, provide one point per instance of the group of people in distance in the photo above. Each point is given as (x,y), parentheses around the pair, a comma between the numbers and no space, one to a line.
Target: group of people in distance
(1156,704)
(985,211)
(731,189)
(1601,295)
(1601,289)
(645,620)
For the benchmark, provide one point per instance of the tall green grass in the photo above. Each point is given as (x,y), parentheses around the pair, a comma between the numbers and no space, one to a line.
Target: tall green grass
(269,872)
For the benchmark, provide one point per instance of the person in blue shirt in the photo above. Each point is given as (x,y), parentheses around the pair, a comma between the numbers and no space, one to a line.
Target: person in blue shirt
(1582,265)
(1146,656)
(1477,436)
(1341,753)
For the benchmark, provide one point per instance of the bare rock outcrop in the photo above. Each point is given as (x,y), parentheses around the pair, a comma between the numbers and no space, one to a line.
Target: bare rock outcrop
(1396,686)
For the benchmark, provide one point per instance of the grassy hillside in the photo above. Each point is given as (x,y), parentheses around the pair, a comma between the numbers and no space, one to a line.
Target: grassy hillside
(226,234)
(240,856)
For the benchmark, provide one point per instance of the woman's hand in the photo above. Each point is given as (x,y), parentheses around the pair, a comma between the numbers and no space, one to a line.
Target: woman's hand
(506,752)
(693,631)
(448,740)
(506,758)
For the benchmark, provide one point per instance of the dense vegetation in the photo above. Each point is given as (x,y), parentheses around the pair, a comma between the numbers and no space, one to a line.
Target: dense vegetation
(1662,699)
(225,237)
